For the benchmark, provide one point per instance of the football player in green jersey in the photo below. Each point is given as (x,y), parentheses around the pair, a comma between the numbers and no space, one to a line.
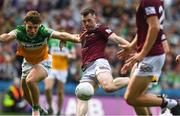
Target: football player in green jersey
(32,45)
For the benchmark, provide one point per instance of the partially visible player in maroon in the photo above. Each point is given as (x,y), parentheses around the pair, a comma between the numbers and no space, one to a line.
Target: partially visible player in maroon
(96,69)
(148,60)
(178,58)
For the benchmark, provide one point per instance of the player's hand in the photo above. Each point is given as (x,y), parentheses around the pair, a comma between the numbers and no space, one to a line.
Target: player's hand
(130,62)
(78,37)
(62,44)
(178,58)
(124,53)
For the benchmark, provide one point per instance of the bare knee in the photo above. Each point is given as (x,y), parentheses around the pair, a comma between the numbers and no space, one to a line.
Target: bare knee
(30,81)
(129,99)
(48,88)
(60,88)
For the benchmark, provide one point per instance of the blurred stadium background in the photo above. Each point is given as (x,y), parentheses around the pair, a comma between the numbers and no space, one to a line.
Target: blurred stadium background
(64,15)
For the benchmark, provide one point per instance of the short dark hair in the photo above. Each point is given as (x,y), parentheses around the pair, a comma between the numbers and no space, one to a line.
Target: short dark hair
(33,16)
(87,11)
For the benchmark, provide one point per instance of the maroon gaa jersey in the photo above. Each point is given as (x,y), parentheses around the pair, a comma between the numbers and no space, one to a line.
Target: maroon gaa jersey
(146,9)
(94,43)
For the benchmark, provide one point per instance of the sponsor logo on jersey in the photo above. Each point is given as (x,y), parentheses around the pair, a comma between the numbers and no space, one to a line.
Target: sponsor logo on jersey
(26,45)
(150,10)
(108,30)
(144,67)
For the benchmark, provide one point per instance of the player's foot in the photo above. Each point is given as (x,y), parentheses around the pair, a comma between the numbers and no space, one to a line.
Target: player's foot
(50,111)
(176,110)
(43,111)
(163,109)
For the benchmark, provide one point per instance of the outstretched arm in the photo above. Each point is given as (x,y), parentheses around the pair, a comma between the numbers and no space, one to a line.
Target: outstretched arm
(118,39)
(64,36)
(7,37)
(124,44)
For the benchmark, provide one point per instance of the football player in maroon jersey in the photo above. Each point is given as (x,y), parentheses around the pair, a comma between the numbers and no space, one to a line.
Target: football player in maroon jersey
(178,58)
(96,68)
(148,60)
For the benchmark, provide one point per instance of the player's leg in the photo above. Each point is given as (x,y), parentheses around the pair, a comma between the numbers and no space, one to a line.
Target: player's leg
(141,87)
(36,74)
(143,110)
(61,77)
(82,106)
(139,82)
(26,95)
(25,91)
(108,84)
(104,76)
(60,93)
(88,76)
(49,82)
(26,67)
(134,94)
(120,82)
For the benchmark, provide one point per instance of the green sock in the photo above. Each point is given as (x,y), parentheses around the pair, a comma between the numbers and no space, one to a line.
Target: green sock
(35,107)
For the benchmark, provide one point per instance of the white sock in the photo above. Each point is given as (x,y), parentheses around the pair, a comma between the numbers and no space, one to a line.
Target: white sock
(36,113)
(170,103)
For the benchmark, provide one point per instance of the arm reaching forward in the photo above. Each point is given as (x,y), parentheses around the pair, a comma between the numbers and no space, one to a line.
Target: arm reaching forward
(64,36)
(118,39)
(7,37)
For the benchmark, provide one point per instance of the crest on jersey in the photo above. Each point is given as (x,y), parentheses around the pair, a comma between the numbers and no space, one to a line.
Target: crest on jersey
(150,10)
(108,30)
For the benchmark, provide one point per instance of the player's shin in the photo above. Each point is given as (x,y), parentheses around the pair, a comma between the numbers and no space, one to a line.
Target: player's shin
(143,111)
(82,107)
(120,82)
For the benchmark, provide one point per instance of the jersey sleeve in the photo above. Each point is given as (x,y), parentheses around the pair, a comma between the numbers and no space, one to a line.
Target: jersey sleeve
(105,31)
(46,32)
(20,32)
(13,33)
(150,7)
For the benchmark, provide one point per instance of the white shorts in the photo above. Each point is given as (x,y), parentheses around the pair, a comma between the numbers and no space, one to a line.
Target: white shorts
(150,66)
(94,68)
(27,67)
(58,74)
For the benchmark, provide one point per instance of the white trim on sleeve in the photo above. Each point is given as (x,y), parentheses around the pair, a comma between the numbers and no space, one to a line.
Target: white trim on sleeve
(13,33)
(51,34)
